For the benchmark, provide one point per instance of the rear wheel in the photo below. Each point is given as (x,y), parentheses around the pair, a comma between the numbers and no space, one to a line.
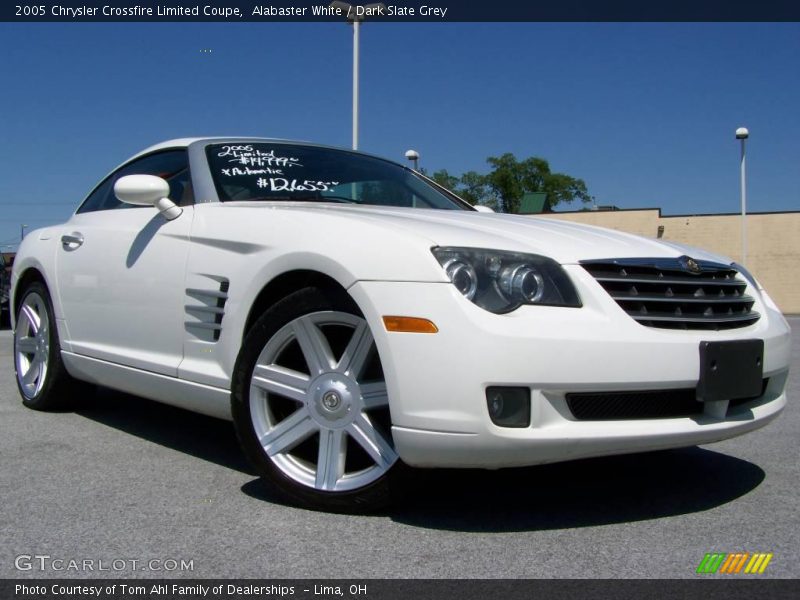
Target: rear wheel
(42,379)
(311,407)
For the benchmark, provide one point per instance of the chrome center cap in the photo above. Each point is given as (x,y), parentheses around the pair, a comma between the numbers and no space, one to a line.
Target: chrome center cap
(331,400)
(334,400)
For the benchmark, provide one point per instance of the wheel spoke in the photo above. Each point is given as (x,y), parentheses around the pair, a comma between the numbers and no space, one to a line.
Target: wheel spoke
(27,345)
(31,317)
(334,404)
(33,371)
(355,356)
(331,458)
(374,394)
(44,325)
(314,345)
(369,438)
(282,381)
(288,433)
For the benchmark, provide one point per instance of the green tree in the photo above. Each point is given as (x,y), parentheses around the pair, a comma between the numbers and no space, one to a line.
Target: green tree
(474,188)
(471,186)
(444,179)
(510,179)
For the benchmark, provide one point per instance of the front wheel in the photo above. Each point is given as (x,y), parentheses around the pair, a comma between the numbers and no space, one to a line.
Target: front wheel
(310,404)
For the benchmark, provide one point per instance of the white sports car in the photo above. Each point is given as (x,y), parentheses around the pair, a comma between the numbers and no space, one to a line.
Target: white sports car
(348,314)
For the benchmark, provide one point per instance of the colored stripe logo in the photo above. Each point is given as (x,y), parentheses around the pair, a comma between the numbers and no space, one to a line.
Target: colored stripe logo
(735,563)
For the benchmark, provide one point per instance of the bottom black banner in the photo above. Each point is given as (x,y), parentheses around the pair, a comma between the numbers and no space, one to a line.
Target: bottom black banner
(390,589)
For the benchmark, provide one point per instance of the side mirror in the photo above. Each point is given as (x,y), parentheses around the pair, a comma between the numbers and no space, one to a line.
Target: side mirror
(147,190)
(482,208)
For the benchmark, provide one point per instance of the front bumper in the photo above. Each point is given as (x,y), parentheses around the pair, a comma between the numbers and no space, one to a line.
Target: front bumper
(437,382)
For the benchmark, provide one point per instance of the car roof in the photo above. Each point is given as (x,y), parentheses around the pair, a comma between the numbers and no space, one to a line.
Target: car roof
(188,141)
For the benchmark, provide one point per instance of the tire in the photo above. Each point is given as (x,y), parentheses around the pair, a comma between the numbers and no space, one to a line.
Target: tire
(42,379)
(310,405)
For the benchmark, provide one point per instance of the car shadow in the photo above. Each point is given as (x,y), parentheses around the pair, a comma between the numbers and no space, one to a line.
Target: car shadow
(580,493)
(206,438)
(143,238)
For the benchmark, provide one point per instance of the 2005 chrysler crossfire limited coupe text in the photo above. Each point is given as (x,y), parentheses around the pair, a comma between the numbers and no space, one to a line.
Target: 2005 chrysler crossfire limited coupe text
(348,314)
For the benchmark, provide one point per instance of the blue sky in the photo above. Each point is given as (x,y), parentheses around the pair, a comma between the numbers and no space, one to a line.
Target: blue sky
(644,113)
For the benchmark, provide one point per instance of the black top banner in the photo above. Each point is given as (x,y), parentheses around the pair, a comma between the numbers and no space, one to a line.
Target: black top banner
(403,10)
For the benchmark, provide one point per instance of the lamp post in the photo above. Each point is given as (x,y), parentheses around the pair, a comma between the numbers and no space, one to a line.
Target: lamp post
(413,156)
(356,14)
(742,134)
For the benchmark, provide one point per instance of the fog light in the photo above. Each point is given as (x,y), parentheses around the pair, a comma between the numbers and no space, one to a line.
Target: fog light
(509,406)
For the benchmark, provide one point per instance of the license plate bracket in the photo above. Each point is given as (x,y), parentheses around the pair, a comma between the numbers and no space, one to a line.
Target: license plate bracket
(730,370)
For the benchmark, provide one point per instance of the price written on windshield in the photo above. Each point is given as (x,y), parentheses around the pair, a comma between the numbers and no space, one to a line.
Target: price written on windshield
(249,156)
(280,184)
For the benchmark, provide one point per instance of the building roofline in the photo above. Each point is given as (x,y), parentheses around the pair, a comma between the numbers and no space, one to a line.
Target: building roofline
(663,216)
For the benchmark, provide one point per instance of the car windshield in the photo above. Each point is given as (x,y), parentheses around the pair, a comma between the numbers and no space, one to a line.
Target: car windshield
(292,172)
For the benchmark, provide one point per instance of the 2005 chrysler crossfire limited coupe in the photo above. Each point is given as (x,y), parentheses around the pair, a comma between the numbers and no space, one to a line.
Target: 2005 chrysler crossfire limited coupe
(348,314)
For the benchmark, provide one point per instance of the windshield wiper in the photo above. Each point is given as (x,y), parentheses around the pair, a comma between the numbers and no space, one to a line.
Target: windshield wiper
(337,199)
(299,198)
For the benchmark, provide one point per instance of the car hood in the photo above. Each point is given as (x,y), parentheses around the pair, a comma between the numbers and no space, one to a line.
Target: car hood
(563,241)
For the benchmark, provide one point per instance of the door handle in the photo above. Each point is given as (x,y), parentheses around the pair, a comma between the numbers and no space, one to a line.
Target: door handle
(73,239)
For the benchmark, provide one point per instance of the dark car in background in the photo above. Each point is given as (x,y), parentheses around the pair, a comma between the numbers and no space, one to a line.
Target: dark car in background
(4,285)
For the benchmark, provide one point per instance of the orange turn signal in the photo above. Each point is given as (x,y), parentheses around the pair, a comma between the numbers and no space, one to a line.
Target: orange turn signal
(409,325)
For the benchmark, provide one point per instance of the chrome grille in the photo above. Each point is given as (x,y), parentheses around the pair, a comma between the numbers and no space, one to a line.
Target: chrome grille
(676,293)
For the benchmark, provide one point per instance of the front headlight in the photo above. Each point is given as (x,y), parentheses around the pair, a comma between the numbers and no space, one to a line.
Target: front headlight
(503,281)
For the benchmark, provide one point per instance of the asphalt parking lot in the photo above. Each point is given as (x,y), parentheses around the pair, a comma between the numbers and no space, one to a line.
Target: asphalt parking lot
(125,479)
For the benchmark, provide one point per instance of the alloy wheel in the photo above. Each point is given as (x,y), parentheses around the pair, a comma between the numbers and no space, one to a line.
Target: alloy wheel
(319,404)
(32,345)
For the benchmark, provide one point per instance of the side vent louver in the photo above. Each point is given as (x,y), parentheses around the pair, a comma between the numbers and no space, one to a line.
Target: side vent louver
(205,307)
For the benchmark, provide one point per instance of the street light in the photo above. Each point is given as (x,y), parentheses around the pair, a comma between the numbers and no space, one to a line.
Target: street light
(742,134)
(354,15)
(413,156)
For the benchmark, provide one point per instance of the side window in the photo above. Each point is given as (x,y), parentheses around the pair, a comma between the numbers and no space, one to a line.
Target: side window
(172,165)
(97,198)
